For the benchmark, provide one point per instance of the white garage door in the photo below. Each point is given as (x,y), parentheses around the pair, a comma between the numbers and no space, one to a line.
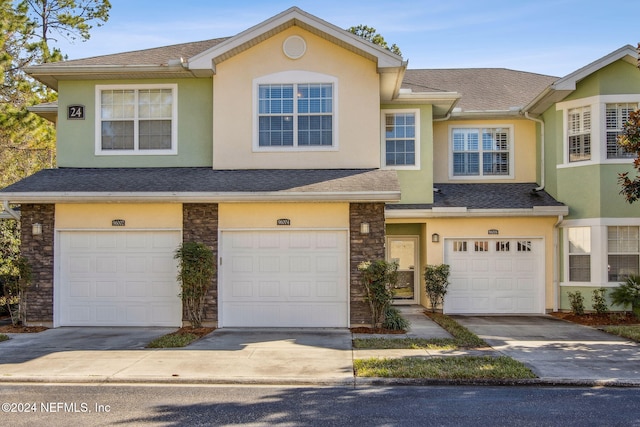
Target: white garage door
(495,276)
(125,278)
(284,279)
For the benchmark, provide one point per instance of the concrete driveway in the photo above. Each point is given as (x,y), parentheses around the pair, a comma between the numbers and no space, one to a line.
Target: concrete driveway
(556,349)
(264,356)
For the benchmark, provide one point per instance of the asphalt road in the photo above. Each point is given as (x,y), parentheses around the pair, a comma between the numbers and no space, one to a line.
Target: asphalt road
(131,405)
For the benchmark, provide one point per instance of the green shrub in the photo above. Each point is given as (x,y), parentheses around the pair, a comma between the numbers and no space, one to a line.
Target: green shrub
(393,320)
(436,278)
(197,269)
(599,300)
(628,293)
(378,278)
(577,302)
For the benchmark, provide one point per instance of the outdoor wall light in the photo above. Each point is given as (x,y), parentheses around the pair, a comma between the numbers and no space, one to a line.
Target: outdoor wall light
(364,228)
(435,238)
(36,229)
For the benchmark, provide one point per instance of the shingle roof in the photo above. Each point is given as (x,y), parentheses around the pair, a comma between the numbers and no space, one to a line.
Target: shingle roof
(155,56)
(486,196)
(482,89)
(106,181)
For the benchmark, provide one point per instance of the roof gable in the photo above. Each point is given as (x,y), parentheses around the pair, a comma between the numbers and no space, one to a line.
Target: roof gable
(561,88)
(207,60)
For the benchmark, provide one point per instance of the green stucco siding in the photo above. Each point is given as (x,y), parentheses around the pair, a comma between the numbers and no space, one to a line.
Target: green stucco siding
(76,138)
(417,185)
(587,295)
(619,77)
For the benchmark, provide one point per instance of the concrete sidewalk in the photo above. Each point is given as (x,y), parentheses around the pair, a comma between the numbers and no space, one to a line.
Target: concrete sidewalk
(558,352)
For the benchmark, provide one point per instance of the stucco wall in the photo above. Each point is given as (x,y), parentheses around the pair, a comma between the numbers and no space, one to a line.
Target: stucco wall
(524,146)
(357,103)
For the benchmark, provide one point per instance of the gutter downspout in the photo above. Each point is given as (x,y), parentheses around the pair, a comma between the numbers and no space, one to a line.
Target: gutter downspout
(14,214)
(556,262)
(542,182)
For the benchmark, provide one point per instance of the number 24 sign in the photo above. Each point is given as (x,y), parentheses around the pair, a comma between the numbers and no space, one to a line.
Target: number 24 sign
(75,112)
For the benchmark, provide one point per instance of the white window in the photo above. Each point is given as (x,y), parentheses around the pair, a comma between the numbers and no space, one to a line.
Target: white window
(579,121)
(299,115)
(579,254)
(401,141)
(482,152)
(138,119)
(623,252)
(616,116)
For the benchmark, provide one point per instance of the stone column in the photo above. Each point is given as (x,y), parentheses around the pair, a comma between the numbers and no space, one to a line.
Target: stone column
(364,247)
(38,250)
(200,224)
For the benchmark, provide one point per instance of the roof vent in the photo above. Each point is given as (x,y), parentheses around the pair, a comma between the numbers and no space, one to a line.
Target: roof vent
(294,47)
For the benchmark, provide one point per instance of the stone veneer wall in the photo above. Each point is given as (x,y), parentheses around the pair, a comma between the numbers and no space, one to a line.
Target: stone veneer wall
(364,247)
(38,250)
(200,224)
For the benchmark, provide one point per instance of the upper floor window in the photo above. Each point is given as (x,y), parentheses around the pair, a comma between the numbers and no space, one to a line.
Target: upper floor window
(295,115)
(136,119)
(623,252)
(482,152)
(401,143)
(579,121)
(616,116)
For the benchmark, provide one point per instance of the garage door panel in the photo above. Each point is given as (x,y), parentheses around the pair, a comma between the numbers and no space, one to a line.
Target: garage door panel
(104,289)
(283,286)
(505,276)
(125,278)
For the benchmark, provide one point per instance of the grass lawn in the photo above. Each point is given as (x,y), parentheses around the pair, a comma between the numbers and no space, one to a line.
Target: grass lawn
(3,337)
(631,332)
(459,367)
(462,338)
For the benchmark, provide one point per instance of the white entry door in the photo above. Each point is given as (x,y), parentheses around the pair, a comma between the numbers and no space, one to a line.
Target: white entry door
(125,278)
(284,279)
(495,276)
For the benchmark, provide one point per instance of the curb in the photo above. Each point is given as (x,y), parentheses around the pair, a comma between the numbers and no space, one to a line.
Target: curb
(354,382)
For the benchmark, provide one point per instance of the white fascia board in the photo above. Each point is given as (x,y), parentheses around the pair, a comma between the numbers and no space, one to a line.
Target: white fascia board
(551,211)
(199,197)
(205,59)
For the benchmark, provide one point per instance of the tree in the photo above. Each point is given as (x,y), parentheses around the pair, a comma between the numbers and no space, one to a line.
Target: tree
(630,142)
(70,19)
(370,34)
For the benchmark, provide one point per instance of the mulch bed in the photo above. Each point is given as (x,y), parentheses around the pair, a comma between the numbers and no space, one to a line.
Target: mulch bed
(595,319)
(19,329)
(365,330)
(199,332)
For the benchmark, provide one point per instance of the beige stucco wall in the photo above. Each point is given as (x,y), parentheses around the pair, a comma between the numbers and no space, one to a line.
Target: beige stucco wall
(524,142)
(137,216)
(357,102)
(514,227)
(265,215)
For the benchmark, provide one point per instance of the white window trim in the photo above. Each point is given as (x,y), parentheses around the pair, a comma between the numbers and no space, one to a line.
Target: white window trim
(480,177)
(295,77)
(599,249)
(383,145)
(136,152)
(598,106)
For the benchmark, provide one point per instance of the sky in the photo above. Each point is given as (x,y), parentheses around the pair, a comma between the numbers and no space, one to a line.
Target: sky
(552,37)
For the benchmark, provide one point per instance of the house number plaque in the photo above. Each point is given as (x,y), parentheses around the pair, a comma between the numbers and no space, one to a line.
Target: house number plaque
(283,221)
(75,112)
(118,223)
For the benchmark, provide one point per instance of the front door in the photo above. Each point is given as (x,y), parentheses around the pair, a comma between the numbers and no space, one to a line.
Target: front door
(404,251)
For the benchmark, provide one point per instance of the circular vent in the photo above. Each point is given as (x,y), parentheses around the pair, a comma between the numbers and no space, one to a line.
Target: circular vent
(294,47)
